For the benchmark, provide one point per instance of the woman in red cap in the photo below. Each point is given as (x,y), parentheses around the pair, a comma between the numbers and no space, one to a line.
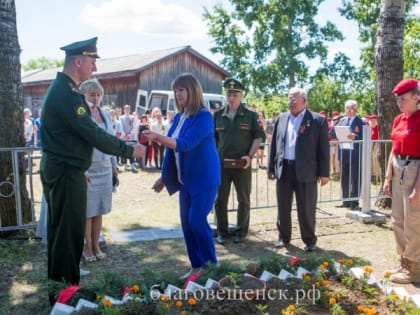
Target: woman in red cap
(402,180)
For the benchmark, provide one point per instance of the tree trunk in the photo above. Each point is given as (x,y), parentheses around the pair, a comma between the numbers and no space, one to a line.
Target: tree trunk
(11,115)
(389,64)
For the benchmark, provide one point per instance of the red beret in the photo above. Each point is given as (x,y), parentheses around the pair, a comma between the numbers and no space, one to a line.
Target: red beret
(373,116)
(404,86)
(322,112)
(328,118)
(335,113)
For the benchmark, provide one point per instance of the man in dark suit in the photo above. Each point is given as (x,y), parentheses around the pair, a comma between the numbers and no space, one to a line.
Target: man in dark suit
(299,157)
(350,157)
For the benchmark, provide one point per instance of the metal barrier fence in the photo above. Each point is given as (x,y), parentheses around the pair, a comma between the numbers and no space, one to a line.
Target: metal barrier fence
(263,193)
(13,187)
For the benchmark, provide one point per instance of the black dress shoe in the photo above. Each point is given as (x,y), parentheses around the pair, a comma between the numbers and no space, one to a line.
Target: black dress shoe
(220,239)
(343,205)
(310,248)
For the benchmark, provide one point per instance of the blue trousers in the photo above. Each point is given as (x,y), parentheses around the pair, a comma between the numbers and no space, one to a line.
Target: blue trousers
(197,232)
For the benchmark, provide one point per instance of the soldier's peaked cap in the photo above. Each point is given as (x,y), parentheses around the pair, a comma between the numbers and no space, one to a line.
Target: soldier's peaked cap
(233,85)
(83,48)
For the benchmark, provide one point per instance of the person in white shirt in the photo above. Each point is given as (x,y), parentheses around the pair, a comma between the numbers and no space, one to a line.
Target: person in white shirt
(128,124)
(158,125)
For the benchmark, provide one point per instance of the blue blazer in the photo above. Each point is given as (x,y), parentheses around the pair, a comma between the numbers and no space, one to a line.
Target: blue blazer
(199,163)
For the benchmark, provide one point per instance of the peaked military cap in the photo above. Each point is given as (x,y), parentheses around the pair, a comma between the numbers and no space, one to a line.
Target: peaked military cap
(82,48)
(233,85)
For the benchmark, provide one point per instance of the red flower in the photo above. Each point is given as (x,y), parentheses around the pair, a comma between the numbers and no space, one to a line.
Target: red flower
(294,260)
(65,295)
(126,290)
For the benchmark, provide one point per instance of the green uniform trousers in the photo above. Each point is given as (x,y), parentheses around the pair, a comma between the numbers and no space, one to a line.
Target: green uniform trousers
(65,192)
(242,181)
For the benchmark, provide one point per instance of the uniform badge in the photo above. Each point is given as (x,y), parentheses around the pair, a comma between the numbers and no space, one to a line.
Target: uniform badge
(302,129)
(81,110)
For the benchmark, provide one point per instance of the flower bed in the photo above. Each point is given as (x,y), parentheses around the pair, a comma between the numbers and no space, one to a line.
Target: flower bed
(330,288)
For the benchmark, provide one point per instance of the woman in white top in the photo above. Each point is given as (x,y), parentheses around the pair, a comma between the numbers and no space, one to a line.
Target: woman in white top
(99,175)
(158,126)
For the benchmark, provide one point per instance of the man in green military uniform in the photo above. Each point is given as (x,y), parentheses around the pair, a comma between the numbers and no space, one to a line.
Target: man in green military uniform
(69,135)
(238,136)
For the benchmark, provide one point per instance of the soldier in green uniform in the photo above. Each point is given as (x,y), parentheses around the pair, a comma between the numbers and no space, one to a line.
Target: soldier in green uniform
(69,135)
(238,136)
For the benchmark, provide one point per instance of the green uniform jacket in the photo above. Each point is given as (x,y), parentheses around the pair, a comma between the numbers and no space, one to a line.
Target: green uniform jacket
(234,138)
(67,130)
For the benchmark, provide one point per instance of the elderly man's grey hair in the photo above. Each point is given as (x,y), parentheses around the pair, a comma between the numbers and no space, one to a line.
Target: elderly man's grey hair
(301,92)
(350,103)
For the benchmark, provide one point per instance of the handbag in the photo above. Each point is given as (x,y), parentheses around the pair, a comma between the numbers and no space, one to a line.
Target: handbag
(233,163)
(115,183)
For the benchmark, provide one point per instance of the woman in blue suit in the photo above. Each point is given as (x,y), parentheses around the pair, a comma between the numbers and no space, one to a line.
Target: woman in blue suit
(191,166)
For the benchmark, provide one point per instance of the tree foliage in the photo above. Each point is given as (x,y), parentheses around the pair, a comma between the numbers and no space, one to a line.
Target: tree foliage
(42,63)
(366,14)
(339,81)
(268,44)
(412,48)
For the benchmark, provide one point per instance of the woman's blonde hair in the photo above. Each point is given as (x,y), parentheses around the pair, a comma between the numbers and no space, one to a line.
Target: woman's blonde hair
(195,93)
(91,85)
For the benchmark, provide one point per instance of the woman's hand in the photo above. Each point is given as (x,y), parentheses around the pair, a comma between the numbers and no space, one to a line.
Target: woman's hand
(158,185)
(414,198)
(149,135)
(387,188)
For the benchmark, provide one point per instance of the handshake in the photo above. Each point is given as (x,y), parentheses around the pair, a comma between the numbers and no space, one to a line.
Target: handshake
(139,151)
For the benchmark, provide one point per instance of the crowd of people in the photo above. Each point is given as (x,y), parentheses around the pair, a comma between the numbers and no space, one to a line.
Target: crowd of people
(200,153)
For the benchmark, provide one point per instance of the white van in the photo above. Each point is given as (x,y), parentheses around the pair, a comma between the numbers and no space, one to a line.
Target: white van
(165,101)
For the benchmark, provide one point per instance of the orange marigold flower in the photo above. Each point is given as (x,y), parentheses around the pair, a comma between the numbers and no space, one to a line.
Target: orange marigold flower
(291,308)
(368,269)
(350,261)
(327,292)
(326,263)
(371,311)
(317,284)
(183,313)
(341,261)
(136,288)
(178,303)
(362,308)
(107,303)
(191,301)
(164,298)
(322,267)
(387,274)
(332,300)
(326,283)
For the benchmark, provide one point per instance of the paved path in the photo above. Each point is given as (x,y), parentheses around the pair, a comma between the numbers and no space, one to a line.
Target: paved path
(146,234)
